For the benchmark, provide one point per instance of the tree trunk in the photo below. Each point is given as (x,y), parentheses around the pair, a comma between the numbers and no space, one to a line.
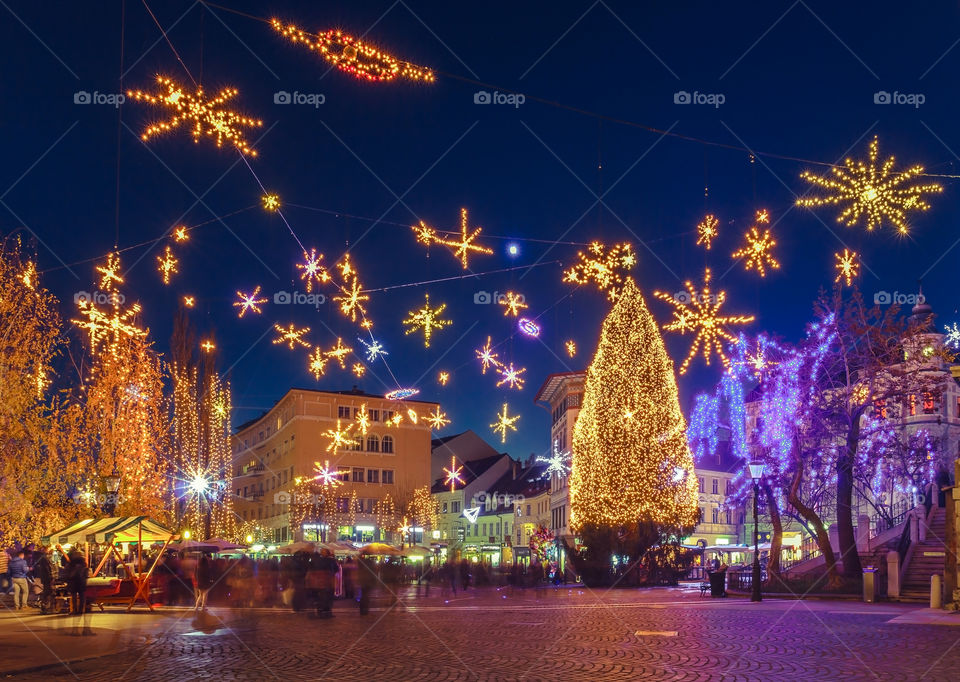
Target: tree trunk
(776,539)
(821,536)
(848,540)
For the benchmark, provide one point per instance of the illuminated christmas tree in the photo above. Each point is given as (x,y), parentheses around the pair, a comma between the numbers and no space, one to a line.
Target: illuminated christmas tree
(632,483)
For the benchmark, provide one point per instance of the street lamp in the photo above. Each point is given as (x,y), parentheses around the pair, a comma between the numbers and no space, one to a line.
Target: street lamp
(112,485)
(756,473)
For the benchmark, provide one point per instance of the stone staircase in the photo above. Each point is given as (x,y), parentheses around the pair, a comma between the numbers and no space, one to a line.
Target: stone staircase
(925,559)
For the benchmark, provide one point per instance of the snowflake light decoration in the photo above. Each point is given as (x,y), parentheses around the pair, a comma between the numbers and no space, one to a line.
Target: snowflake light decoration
(504,423)
(311,270)
(339,437)
(352,299)
(699,314)
(758,247)
(374,349)
(208,346)
(426,319)
(571,347)
(291,336)
(270,202)
(362,419)
(870,192)
(453,474)
(512,303)
(249,302)
(180,234)
(466,243)
(326,476)
(346,267)
(443,378)
(707,230)
(953,336)
(602,267)
(847,266)
(317,363)
(109,326)
(339,353)
(510,376)
(436,419)
(167,265)
(358,369)
(558,463)
(109,279)
(189,301)
(209,117)
(487,357)
(353,56)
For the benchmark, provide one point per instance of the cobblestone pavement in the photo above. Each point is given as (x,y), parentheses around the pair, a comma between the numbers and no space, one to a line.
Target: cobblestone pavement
(570,634)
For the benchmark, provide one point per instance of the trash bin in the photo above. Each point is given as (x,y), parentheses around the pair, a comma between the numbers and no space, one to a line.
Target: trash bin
(718,583)
(869,584)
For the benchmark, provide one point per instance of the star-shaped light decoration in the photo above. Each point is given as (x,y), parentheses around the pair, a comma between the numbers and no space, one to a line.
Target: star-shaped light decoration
(346,267)
(425,234)
(757,362)
(374,349)
(115,324)
(317,363)
(487,357)
(870,192)
(426,319)
(167,265)
(351,302)
(270,202)
(208,346)
(437,419)
(847,266)
(189,301)
(558,463)
(339,437)
(209,117)
(327,476)
(291,336)
(953,335)
(758,247)
(249,302)
(109,279)
(466,243)
(29,275)
(180,234)
(443,378)
(602,267)
(362,419)
(707,230)
(358,369)
(504,423)
(453,474)
(312,270)
(512,303)
(339,353)
(571,347)
(699,314)
(510,376)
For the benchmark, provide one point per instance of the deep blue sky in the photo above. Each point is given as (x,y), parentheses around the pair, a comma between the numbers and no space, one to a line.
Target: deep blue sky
(798,80)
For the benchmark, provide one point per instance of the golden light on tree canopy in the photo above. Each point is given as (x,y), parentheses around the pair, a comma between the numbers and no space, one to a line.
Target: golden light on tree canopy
(637,471)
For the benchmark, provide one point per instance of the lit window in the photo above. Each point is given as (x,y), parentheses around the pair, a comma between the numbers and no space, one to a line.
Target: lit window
(373,443)
(386,445)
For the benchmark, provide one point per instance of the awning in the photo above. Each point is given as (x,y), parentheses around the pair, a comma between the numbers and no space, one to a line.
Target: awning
(113,529)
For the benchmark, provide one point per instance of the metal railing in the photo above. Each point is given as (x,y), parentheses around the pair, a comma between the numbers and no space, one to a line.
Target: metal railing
(898,514)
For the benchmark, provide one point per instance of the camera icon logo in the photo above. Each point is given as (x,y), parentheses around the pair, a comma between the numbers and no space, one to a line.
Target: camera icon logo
(82,297)
(482,97)
(482,298)
(281,298)
(882,298)
(82,97)
(682,97)
(682,297)
(282,497)
(282,97)
(882,97)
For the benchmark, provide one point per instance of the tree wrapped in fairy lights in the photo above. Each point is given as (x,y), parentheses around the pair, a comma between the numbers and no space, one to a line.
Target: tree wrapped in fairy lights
(632,483)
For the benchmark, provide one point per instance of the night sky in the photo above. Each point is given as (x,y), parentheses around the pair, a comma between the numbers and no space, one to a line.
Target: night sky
(798,80)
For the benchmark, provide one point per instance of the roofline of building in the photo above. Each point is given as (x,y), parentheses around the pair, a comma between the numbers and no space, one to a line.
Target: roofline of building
(552,379)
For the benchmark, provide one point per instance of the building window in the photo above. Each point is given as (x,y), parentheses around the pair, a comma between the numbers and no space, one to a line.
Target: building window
(344,475)
(728,487)
(444,508)
(343,412)
(716,515)
(387,477)
(387,415)
(343,505)
(728,517)
(357,474)
(714,489)
(701,484)
(387,444)
(373,475)
(373,443)
(455,506)
(374,415)
(912,405)
(929,404)
(880,409)
(700,515)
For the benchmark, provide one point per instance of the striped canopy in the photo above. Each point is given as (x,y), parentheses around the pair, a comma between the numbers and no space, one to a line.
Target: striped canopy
(113,529)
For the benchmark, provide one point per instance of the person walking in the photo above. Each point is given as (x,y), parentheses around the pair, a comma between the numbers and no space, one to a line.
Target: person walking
(203,582)
(328,568)
(18,576)
(43,571)
(367,577)
(77,584)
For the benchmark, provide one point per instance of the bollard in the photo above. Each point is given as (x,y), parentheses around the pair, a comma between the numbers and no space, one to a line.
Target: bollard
(936,596)
(869,584)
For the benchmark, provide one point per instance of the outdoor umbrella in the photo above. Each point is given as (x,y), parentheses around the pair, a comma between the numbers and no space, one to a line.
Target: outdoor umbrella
(417,550)
(295,547)
(380,548)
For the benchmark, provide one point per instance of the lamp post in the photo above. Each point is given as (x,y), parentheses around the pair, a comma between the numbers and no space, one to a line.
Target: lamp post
(756,473)
(112,485)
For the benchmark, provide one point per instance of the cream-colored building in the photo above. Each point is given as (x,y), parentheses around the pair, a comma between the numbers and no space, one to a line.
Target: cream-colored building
(391,459)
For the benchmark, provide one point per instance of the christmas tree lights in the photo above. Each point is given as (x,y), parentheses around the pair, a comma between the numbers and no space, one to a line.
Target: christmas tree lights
(622,476)
(758,247)
(426,319)
(707,230)
(291,336)
(698,314)
(504,423)
(847,266)
(602,267)
(249,302)
(353,56)
(209,117)
(870,192)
